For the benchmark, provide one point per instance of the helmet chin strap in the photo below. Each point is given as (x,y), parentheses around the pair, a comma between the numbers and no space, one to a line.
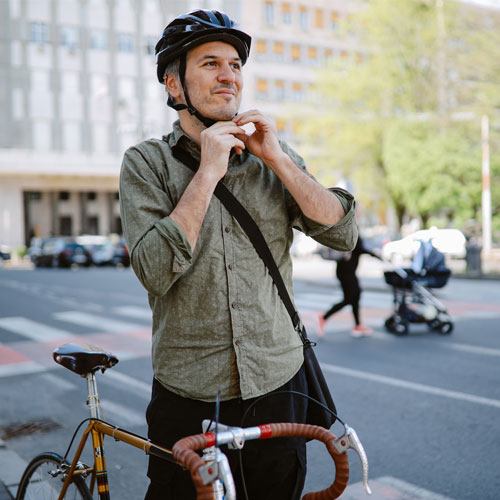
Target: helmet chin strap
(208,122)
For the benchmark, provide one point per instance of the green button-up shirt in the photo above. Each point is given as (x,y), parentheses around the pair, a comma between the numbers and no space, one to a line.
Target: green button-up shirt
(218,321)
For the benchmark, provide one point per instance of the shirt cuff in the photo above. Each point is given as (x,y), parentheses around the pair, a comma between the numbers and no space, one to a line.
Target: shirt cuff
(182,253)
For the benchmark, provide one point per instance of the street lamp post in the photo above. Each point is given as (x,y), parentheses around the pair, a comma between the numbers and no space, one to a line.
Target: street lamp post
(486,193)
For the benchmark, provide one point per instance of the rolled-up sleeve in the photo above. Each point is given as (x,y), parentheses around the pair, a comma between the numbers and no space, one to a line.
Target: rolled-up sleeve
(341,236)
(159,249)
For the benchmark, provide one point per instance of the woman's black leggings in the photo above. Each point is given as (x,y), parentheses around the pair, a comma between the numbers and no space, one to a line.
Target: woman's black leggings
(352,294)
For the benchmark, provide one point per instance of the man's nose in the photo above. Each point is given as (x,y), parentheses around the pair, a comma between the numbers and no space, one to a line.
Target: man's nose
(226,73)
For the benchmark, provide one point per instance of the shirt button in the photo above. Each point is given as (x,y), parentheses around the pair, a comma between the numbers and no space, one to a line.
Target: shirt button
(234,305)
(230,266)
(237,342)
(227,229)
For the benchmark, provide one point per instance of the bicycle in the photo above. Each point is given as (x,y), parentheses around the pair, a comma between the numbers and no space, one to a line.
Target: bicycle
(51,476)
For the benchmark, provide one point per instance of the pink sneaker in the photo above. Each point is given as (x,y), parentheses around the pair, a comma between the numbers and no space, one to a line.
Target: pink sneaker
(321,325)
(361,331)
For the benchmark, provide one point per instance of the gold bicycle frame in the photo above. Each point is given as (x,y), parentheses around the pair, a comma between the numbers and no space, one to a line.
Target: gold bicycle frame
(98,429)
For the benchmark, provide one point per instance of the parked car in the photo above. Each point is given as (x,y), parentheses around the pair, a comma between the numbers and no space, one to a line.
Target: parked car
(4,252)
(450,242)
(62,252)
(100,248)
(121,255)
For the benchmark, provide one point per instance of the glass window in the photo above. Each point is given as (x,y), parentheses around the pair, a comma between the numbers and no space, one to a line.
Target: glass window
(125,42)
(68,37)
(296,52)
(64,195)
(269,13)
(262,88)
(70,83)
(39,33)
(279,50)
(126,87)
(100,137)
(334,21)
(279,90)
(261,46)
(91,196)
(42,135)
(319,20)
(312,53)
(297,91)
(286,13)
(304,18)
(150,44)
(65,225)
(40,80)
(71,137)
(98,39)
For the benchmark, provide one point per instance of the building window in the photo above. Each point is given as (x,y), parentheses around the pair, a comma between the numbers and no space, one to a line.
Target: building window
(279,90)
(150,44)
(33,196)
(65,226)
(328,54)
(98,39)
(261,46)
(39,33)
(312,54)
(279,51)
(334,21)
(286,13)
(93,225)
(68,37)
(296,52)
(297,92)
(319,19)
(91,196)
(269,13)
(304,18)
(70,83)
(42,135)
(125,43)
(262,89)
(64,195)
(72,137)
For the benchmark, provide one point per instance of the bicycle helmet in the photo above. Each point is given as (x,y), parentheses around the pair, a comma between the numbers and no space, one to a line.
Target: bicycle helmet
(188,31)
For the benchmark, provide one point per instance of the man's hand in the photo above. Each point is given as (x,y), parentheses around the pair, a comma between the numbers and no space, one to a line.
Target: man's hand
(264,142)
(216,144)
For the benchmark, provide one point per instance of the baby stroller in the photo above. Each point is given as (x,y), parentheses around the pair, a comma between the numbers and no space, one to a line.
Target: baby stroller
(413,302)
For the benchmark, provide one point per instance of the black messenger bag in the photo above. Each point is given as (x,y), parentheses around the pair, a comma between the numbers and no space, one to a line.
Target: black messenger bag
(317,386)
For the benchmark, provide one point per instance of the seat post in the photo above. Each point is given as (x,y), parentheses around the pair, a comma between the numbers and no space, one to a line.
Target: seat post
(93,396)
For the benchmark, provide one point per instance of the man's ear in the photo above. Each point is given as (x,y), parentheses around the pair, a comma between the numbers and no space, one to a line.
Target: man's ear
(172,86)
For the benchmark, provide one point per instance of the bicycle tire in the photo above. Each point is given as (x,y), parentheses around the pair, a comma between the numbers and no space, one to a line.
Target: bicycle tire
(38,484)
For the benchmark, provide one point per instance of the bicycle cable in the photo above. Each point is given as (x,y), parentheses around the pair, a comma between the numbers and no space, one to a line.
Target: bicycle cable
(276,393)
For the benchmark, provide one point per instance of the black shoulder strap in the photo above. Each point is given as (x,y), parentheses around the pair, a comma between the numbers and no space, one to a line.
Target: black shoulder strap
(238,211)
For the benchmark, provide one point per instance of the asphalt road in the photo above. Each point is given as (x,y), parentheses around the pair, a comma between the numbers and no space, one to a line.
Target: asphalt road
(425,406)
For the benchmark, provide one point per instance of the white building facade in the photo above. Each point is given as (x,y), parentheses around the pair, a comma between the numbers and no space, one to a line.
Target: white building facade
(78,86)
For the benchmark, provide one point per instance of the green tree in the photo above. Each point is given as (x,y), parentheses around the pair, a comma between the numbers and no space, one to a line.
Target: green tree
(390,123)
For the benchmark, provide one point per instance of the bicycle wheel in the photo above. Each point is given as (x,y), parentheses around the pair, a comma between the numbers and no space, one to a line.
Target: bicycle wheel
(39,481)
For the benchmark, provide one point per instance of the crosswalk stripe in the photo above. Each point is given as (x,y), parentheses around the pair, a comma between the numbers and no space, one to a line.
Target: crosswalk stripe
(24,368)
(129,383)
(122,414)
(33,329)
(488,351)
(98,322)
(134,312)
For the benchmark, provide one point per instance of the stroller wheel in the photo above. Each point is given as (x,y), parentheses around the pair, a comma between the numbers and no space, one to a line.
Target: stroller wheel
(396,325)
(446,327)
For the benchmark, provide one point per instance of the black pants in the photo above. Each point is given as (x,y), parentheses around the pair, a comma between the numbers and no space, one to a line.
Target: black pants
(273,469)
(352,294)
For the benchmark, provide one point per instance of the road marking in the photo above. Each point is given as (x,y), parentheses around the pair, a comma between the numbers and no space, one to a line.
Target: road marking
(101,323)
(59,382)
(20,369)
(387,487)
(428,389)
(122,414)
(487,351)
(126,382)
(134,312)
(33,330)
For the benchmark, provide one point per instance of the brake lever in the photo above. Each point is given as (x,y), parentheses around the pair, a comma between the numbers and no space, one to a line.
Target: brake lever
(218,469)
(350,440)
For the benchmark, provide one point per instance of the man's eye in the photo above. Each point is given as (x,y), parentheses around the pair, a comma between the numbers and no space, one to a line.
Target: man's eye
(210,63)
(237,66)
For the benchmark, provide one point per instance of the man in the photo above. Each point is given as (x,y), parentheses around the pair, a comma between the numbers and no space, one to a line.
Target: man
(219,326)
